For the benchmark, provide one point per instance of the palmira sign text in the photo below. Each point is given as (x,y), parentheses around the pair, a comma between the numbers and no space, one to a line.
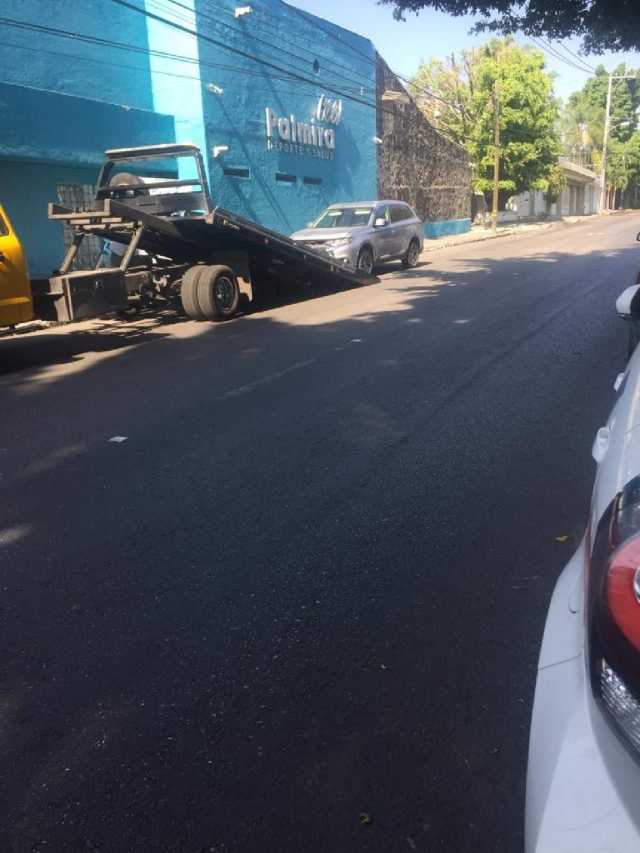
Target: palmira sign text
(312,139)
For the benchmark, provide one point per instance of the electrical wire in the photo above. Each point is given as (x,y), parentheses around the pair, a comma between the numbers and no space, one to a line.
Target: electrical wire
(288,77)
(129,48)
(531,137)
(187,19)
(189,77)
(266,23)
(526,139)
(229,48)
(302,14)
(577,56)
(552,52)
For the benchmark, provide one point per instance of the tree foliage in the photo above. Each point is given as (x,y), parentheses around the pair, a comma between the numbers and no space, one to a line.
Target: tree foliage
(585,110)
(602,24)
(458,96)
(583,127)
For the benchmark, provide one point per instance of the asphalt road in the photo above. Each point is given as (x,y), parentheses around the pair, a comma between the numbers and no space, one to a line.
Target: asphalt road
(312,581)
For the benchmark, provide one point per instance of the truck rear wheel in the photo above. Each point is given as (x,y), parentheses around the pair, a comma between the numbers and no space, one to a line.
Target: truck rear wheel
(189,292)
(218,293)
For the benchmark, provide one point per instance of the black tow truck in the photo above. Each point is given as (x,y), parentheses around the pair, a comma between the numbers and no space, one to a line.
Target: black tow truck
(175,244)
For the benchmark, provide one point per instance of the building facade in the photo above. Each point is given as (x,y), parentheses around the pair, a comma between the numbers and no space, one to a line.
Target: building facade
(579,197)
(288,109)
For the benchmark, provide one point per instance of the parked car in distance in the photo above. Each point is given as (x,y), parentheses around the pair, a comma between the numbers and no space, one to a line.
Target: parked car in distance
(583,777)
(364,233)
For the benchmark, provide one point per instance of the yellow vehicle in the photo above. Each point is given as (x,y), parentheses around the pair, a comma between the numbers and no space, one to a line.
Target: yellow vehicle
(16,303)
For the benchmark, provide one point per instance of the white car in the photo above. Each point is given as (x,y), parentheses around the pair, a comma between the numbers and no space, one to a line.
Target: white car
(583,779)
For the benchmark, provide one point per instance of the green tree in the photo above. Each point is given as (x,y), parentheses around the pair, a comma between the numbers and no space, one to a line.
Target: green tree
(553,184)
(603,24)
(583,126)
(458,96)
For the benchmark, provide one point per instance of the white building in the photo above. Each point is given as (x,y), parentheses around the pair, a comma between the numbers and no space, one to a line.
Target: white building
(579,197)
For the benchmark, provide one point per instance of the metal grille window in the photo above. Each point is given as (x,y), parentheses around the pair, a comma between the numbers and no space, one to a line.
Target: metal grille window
(80,197)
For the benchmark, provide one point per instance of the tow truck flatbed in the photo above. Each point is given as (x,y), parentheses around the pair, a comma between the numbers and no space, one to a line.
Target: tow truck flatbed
(174,242)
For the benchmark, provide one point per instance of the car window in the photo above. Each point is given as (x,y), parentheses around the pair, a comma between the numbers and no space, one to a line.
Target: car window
(4,229)
(343,217)
(399,213)
(383,213)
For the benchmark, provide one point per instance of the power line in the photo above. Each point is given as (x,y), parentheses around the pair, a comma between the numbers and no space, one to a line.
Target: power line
(267,23)
(247,35)
(302,14)
(307,19)
(577,56)
(190,77)
(205,38)
(287,78)
(550,50)
(129,48)
(230,49)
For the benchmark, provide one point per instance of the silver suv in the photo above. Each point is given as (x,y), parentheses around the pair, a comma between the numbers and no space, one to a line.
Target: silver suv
(366,232)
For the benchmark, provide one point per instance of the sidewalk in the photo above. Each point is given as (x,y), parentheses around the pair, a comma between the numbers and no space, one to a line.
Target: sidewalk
(479,233)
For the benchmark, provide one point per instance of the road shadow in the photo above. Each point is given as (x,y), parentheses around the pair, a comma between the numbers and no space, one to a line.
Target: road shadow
(30,349)
(37,349)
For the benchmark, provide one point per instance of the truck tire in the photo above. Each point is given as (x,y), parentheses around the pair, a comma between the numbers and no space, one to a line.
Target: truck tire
(218,293)
(189,292)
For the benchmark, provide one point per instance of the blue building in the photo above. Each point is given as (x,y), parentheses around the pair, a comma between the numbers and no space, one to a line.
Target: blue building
(288,109)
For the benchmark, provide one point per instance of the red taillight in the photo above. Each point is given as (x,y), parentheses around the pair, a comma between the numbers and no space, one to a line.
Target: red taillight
(613,614)
(622,587)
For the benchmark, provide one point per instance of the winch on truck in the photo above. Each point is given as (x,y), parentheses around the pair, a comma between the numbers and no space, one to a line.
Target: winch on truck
(174,243)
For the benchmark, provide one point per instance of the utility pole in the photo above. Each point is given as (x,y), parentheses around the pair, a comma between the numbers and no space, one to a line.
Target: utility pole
(607,117)
(496,153)
(607,111)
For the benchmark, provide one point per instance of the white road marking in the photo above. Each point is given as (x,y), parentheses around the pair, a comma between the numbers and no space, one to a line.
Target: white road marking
(119,438)
(272,377)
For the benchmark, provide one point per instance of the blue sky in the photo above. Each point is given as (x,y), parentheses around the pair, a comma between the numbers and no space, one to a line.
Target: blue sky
(431,33)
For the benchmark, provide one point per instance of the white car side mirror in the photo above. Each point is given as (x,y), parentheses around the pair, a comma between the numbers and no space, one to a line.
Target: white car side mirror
(379,222)
(628,303)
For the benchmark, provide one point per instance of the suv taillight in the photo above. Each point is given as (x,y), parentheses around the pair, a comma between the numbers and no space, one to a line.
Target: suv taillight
(614,613)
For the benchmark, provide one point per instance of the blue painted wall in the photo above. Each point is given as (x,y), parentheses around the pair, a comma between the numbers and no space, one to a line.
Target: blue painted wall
(49,139)
(50,128)
(435,230)
(26,189)
(175,72)
(64,101)
(278,34)
(75,66)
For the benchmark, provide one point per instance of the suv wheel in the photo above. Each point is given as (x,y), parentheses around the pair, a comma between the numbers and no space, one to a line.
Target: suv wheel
(365,260)
(412,256)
